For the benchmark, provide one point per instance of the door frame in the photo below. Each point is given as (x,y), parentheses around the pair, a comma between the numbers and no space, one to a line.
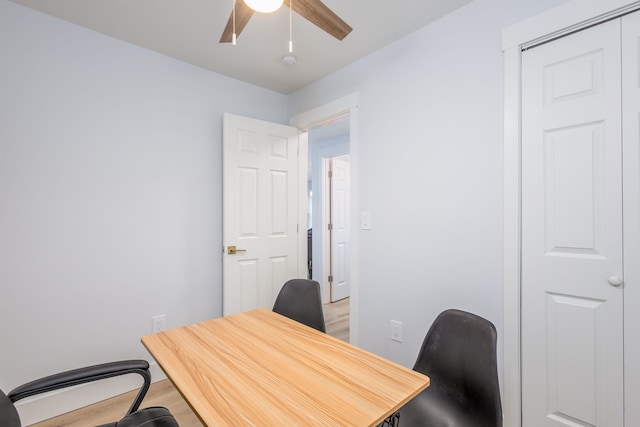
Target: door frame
(554,23)
(321,214)
(325,236)
(305,120)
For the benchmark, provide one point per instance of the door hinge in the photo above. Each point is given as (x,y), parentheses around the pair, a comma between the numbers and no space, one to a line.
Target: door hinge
(330,174)
(330,227)
(330,279)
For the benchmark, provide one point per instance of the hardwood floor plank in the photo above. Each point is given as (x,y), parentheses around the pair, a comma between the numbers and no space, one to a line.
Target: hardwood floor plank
(161,393)
(336,319)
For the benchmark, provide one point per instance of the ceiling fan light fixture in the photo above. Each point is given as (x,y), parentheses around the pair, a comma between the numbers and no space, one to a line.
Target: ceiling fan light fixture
(264,6)
(289,59)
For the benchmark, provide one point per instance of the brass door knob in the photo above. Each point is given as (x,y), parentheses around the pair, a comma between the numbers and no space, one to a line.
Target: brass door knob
(232,250)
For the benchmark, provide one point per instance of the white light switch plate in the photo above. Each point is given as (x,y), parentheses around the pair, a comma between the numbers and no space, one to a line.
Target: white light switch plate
(365,220)
(396,331)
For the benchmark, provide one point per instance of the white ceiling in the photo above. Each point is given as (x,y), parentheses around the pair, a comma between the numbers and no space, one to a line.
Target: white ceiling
(189,30)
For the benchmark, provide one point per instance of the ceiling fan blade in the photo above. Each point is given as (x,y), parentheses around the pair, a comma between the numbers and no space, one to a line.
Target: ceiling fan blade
(320,15)
(243,14)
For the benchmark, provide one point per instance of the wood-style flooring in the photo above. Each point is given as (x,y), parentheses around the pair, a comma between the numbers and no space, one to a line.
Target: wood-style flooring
(336,319)
(162,393)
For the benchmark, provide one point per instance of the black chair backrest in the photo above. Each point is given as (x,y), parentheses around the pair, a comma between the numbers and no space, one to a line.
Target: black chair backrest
(8,414)
(300,300)
(459,356)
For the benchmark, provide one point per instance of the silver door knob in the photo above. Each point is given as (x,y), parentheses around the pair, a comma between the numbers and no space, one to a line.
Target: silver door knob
(615,281)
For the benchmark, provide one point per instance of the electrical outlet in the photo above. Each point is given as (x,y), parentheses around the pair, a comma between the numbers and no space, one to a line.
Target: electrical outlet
(396,331)
(158,323)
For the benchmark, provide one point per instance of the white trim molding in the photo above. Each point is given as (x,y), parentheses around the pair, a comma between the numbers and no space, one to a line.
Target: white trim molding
(562,20)
(566,18)
(511,358)
(325,112)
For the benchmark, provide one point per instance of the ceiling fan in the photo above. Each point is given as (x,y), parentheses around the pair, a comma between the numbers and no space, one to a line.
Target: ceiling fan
(314,11)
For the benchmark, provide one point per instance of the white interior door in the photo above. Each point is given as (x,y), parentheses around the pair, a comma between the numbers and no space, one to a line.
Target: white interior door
(572,301)
(631,168)
(260,211)
(340,213)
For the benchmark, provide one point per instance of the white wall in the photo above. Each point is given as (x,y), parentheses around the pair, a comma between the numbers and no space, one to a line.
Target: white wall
(430,156)
(110,192)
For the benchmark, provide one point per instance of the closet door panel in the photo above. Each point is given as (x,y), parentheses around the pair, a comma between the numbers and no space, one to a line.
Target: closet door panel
(572,317)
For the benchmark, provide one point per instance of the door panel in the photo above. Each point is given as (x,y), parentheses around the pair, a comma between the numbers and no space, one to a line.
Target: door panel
(340,231)
(573,205)
(572,318)
(571,359)
(247,273)
(248,196)
(631,168)
(260,205)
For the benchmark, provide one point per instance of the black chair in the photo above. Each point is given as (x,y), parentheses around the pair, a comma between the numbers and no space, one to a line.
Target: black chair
(149,417)
(459,356)
(299,299)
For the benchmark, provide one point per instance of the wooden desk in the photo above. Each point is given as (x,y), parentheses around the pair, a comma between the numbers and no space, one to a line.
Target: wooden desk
(259,368)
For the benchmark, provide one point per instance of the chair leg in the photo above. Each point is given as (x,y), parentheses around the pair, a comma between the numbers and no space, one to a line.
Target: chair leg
(392,421)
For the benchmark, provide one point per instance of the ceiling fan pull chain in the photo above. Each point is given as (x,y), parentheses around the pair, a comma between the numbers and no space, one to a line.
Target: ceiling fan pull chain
(233,35)
(290,26)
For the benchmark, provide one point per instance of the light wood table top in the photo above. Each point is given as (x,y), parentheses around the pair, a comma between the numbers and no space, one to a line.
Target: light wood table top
(259,368)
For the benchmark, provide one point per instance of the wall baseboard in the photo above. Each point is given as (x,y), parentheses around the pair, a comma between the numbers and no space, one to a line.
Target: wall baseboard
(39,408)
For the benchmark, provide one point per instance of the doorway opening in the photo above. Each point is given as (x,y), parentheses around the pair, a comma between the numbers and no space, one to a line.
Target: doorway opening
(328,215)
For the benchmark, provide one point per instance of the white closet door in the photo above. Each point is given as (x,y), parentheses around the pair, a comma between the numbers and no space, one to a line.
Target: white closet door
(572,312)
(631,150)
